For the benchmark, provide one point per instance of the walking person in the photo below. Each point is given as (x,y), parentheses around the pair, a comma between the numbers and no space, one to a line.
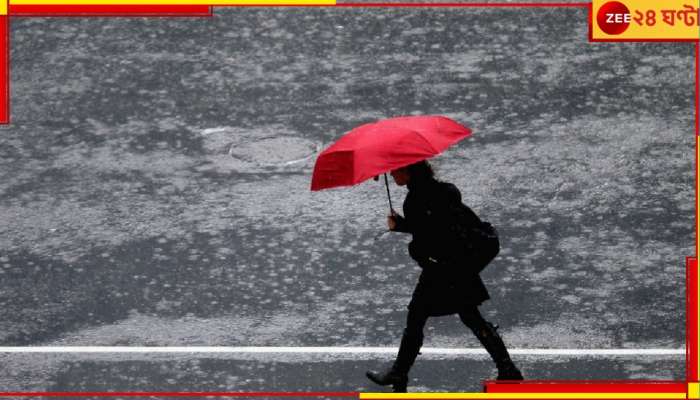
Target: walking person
(447,284)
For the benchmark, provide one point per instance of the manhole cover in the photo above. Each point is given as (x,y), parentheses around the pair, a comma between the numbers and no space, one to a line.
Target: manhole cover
(259,150)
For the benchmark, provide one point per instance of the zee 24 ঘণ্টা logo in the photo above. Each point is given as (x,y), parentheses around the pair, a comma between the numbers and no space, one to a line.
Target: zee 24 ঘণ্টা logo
(615,18)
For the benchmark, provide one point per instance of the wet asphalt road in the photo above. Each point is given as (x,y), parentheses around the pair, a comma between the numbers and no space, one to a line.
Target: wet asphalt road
(154,189)
(70,373)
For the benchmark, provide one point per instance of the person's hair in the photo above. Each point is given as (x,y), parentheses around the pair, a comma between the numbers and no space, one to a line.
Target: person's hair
(421,170)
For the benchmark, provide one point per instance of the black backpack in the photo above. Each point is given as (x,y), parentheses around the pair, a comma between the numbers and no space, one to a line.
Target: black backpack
(474,242)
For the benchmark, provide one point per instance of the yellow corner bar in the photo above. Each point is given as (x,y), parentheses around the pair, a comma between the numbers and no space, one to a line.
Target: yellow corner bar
(693,390)
(171,2)
(522,395)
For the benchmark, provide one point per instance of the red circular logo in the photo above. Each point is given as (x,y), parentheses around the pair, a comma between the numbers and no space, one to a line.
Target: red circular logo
(613,18)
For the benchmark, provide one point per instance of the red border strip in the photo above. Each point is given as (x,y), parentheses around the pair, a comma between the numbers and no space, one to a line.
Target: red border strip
(691,347)
(184,394)
(4,69)
(110,10)
(586,387)
(198,10)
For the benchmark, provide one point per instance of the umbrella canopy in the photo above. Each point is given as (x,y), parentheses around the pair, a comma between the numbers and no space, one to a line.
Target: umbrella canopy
(373,149)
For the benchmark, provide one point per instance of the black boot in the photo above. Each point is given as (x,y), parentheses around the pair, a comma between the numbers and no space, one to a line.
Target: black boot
(398,381)
(397,375)
(492,342)
(509,372)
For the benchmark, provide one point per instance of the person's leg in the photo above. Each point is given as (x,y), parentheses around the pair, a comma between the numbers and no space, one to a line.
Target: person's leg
(492,342)
(411,342)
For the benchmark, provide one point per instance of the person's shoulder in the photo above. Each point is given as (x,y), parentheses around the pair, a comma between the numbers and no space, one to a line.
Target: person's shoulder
(450,190)
(448,186)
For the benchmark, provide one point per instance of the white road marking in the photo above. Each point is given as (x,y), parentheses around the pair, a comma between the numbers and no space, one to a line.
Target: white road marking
(331,350)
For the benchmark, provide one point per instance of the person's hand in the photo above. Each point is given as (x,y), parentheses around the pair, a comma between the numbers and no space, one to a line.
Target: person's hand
(391,222)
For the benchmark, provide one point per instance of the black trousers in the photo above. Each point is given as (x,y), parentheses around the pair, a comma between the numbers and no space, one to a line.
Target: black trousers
(470,316)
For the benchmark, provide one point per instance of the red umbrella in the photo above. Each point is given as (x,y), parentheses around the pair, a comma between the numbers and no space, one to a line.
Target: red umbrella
(376,148)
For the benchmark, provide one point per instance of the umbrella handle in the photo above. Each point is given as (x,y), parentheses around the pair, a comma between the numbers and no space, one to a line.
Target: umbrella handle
(388,194)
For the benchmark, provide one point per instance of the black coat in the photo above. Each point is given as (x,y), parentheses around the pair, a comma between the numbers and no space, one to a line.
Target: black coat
(444,287)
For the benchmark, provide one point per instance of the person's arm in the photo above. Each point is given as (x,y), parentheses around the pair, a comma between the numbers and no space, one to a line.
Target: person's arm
(441,208)
(436,220)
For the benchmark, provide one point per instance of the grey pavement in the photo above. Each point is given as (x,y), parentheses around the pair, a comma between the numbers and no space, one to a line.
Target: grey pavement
(154,187)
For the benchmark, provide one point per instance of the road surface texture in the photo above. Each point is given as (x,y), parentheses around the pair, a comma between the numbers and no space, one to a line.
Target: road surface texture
(154,191)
